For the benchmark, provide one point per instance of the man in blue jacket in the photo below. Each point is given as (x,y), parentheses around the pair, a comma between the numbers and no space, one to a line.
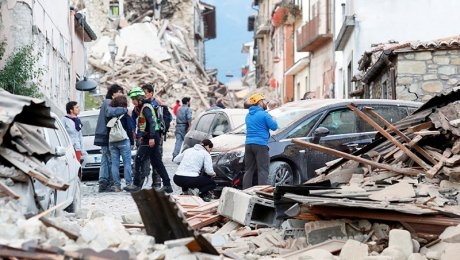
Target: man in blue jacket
(258,125)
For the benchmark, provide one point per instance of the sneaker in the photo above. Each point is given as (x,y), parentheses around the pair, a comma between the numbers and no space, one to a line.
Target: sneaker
(115,189)
(132,188)
(206,198)
(168,189)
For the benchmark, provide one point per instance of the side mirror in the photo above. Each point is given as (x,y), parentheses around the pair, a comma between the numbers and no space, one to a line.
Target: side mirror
(318,133)
(60,151)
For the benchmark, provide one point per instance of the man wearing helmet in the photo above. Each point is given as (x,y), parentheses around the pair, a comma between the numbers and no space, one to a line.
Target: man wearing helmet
(149,143)
(256,157)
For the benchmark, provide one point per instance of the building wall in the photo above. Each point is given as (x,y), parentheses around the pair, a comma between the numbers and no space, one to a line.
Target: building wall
(379,21)
(45,24)
(422,75)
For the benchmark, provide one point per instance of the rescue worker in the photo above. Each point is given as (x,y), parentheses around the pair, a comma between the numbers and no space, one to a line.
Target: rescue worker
(148,144)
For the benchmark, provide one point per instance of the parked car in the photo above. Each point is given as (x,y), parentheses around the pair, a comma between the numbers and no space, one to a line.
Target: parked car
(91,160)
(291,163)
(213,123)
(65,165)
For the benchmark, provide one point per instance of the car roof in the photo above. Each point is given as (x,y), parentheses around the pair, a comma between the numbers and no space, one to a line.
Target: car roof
(320,103)
(229,111)
(89,113)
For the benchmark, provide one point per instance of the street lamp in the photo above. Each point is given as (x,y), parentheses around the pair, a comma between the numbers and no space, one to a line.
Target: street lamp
(113,49)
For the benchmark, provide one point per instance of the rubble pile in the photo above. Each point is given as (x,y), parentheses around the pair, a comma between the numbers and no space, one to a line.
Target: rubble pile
(156,48)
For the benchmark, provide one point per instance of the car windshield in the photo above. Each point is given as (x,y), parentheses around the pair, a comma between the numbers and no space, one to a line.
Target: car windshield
(284,116)
(89,125)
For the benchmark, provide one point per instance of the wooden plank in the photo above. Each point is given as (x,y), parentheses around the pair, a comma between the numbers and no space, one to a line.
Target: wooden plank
(402,135)
(433,171)
(199,221)
(404,171)
(46,212)
(419,127)
(9,192)
(435,223)
(427,133)
(390,138)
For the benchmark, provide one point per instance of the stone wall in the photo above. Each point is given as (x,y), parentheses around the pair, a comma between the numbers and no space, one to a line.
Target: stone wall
(422,75)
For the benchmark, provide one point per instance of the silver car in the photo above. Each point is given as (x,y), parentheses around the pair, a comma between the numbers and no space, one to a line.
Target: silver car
(65,165)
(91,158)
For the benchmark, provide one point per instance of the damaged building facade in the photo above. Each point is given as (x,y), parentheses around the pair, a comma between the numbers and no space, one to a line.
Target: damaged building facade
(58,35)
(414,71)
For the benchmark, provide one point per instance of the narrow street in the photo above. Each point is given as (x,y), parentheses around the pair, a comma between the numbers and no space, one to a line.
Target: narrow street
(116,204)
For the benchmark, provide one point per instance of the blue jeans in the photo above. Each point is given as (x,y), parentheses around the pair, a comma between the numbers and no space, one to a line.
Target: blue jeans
(123,149)
(104,177)
(181,130)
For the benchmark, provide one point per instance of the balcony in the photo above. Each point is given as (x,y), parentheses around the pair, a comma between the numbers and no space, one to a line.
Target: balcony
(262,26)
(311,37)
(345,33)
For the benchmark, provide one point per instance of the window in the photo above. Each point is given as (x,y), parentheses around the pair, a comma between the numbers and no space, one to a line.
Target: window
(392,114)
(53,138)
(89,125)
(205,123)
(341,121)
(304,128)
(221,125)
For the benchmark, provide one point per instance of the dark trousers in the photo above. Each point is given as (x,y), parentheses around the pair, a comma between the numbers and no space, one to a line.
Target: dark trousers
(141,165)
(256,160)
(203,183)
(156,154)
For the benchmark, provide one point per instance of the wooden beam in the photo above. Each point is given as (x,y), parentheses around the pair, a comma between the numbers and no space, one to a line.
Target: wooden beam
(401,134)
(6,190)
(404,171)
(419,127)
(382,131)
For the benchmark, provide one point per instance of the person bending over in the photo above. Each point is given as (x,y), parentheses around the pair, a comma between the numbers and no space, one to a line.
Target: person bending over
(195,170)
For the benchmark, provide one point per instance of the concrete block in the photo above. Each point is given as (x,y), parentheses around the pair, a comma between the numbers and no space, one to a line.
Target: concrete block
(378,257)
(401,239)
(246,209)
(293,228)
(317,254)
(354,250)
(452,251)
(416,256)
(451,234)
(394,252)
(320,231)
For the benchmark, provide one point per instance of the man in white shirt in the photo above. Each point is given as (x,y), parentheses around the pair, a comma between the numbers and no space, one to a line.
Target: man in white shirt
(195,169)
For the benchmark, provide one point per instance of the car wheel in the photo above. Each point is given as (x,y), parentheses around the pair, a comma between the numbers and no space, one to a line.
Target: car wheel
(281,173)
(76,203)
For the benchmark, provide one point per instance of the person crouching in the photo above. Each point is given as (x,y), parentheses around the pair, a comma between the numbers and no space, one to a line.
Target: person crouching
(191,164)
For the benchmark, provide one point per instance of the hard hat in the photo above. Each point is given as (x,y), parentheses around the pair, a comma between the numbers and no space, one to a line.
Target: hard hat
(255,98)
(135,92)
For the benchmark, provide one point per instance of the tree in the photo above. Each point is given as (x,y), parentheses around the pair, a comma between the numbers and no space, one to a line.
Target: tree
(20,72)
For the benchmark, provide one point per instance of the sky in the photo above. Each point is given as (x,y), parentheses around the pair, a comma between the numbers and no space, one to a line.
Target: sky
(224,52)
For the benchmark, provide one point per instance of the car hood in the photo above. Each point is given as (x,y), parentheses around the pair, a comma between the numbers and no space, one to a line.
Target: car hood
(226,142)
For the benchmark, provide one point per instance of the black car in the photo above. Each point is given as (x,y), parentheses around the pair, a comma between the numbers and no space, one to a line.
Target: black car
(291,163)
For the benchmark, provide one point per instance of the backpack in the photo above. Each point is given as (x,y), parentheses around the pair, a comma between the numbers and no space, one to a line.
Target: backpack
(164,118)
(117,132)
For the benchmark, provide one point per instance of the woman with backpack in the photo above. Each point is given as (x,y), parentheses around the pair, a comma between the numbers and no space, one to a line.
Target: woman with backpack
(123,147)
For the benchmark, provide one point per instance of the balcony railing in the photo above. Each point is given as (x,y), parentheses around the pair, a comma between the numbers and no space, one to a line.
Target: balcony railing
(262,26)
(311,37)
